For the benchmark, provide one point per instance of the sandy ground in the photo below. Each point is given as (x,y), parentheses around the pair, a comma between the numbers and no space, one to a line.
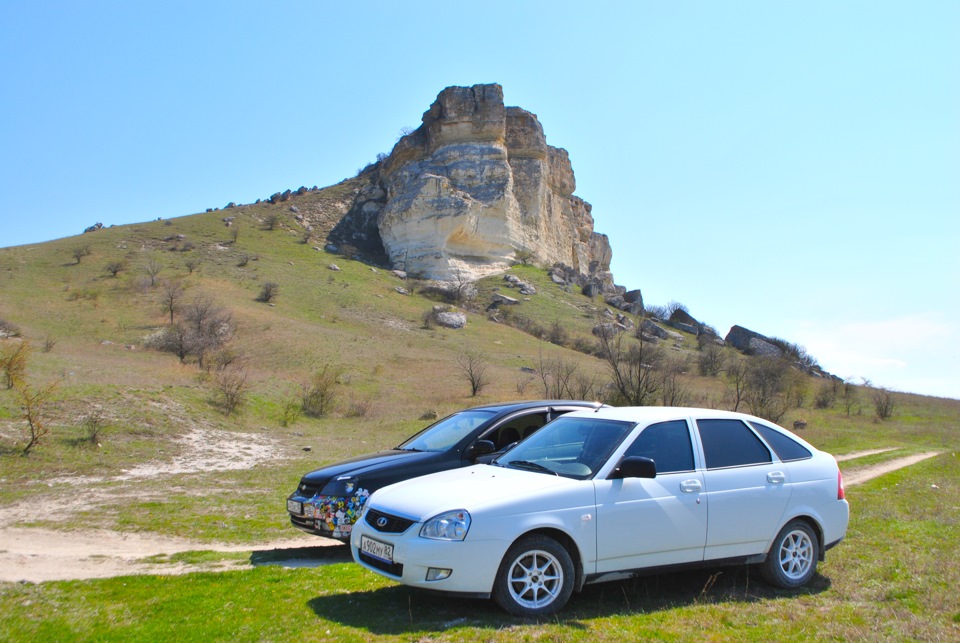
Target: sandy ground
(38,555)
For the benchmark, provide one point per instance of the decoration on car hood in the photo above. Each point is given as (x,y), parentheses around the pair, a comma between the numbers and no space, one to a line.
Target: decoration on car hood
(336,514)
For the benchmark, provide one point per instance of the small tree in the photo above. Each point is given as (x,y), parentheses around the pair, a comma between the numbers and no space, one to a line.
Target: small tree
(883,403)
(115,267)
(473,369)
(171,292)
(766,381)
(32,405)
(93,425)
(152,268)
(850,395)
(232,387)
(271,222)
(79,252)
(192,265)
(736,374)
(13,362)
(710,358)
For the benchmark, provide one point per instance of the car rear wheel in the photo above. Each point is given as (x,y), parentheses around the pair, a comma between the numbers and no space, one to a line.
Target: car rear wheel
(792,560)
(535,577)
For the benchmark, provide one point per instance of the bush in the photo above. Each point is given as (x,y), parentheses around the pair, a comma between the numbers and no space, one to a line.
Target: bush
(268,292)
(320,395)
(232,388)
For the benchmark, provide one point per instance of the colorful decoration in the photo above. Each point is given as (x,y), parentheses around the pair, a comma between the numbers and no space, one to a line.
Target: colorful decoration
(336,513)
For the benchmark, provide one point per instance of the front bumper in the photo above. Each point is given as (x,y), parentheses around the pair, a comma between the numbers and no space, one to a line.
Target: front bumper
(473,563)
(327,516)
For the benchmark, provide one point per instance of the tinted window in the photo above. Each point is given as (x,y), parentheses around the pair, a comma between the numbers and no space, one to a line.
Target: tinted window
(785,447)
(667,444)
(447,432)
(730,443)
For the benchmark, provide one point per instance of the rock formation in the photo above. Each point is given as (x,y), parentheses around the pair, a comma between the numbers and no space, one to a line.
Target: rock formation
(472,188)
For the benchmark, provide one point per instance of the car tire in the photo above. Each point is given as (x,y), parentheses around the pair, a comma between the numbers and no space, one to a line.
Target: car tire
(792,559)
(536,577)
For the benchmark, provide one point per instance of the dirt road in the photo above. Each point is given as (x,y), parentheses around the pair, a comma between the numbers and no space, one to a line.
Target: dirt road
(38,555)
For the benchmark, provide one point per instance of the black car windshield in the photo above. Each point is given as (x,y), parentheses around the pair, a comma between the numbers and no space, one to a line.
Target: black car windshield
(574,447)
(447,432)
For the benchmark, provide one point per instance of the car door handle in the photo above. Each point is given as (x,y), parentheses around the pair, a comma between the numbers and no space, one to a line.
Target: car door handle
(776,477)
(690,486)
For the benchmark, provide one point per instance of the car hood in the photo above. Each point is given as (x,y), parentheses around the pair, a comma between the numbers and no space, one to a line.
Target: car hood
(368,463)
(472,488)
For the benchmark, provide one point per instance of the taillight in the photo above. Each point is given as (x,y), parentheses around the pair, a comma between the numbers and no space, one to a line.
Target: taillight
(841,494)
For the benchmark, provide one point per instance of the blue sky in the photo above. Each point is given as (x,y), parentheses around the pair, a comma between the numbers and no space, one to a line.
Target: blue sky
(789,167)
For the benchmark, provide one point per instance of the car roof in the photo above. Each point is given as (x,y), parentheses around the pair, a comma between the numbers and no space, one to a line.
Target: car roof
(507,407)
(648,414)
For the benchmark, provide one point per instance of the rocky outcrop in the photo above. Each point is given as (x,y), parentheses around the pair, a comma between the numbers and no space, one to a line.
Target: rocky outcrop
(751,343)
(472,187)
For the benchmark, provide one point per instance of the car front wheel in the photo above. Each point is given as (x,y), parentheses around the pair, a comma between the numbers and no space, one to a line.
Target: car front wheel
(792,560)
(535,577)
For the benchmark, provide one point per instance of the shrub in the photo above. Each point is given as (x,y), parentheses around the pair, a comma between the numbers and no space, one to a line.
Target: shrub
(268,292)
(232,388)
(473,369)
(13,362)
(883,403)
(320,395)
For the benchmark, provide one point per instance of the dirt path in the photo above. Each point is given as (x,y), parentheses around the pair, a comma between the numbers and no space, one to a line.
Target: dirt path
(869,473)
(38,555)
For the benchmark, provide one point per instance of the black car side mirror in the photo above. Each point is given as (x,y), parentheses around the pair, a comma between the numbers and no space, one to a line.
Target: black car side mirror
(481,447)
(635,466)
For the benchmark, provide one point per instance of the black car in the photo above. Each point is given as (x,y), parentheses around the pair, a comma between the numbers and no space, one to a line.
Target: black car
(329,500)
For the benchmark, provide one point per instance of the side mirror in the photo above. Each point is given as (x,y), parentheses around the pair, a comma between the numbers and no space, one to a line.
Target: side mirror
(480,448)
(635,467)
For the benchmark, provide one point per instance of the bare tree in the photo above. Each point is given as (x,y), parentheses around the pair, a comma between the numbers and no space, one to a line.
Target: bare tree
(192,264)
(632,369)
(152,268)
(883,403)
(232,387)
(171,292)
(710,358)
(13,362)
(32,405)
(736,374)
(79,252)
(850,395)
(675,386)
(473,369)
(766,380)
(115,267)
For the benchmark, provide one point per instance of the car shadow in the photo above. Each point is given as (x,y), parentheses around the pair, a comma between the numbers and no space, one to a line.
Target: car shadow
(300,557)
(403,610)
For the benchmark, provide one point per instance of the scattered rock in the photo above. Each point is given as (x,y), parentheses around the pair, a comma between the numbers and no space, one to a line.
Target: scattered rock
(334,267)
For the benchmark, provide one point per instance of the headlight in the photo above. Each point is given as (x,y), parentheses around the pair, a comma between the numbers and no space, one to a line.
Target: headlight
(452,525)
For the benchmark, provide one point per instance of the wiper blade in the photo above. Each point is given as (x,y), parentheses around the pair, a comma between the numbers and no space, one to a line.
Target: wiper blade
(536,466)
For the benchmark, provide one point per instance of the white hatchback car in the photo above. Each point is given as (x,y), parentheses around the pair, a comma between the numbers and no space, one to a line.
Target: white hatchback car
(601,495)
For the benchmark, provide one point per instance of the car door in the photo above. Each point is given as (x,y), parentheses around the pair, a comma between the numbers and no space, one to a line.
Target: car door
(747,490)
(645,522)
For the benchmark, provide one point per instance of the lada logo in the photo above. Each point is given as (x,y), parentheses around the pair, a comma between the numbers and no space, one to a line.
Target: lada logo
(381,522)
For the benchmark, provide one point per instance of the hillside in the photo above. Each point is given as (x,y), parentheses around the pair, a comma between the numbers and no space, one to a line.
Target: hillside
(88,333)
(140,443)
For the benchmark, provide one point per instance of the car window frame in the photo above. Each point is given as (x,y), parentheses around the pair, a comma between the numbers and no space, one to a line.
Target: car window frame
(703,447)
(691,437)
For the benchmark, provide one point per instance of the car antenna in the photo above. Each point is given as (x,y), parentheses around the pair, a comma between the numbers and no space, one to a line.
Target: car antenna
(598,406)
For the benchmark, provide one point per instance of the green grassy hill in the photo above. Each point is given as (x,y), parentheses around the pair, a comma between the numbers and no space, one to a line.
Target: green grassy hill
(88,329)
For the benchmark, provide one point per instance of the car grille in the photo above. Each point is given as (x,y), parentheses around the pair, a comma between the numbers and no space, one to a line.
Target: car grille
(393,524)
(394,569)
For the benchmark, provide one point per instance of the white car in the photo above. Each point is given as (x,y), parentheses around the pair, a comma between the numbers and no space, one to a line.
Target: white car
(602,495)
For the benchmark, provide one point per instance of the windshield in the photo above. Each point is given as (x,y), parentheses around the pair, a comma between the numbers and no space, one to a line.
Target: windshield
(574,447)
(447,432)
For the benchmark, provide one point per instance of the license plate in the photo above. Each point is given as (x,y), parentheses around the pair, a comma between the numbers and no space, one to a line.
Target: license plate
(295,507)
(377,549)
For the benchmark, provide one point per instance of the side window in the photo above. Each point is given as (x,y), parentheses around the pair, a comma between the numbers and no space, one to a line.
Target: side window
(515,429)
(730,443)
(667,444)
(785,447)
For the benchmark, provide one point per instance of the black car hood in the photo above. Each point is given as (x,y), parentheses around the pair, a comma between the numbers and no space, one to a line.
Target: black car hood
(370,463)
